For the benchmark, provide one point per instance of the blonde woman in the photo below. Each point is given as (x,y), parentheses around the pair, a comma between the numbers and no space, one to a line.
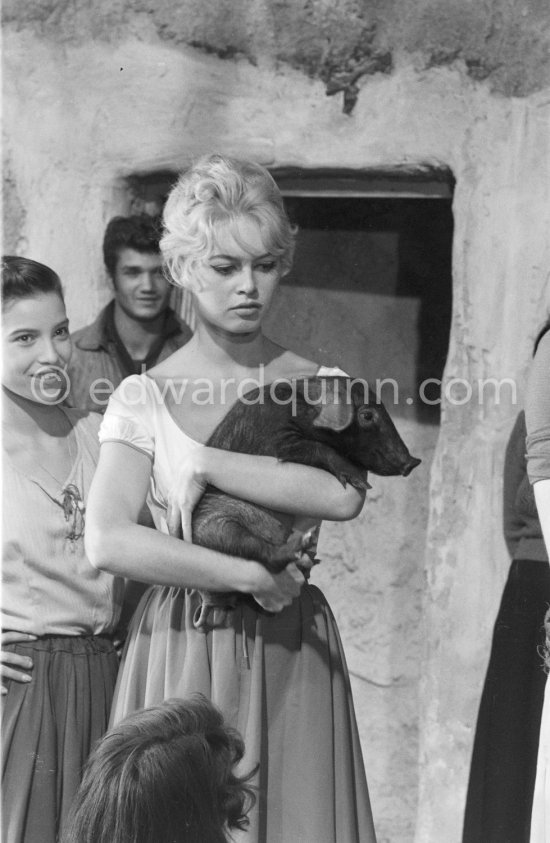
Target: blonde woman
(279,678)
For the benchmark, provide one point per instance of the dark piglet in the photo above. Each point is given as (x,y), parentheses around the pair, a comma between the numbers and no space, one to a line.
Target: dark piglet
(333,423)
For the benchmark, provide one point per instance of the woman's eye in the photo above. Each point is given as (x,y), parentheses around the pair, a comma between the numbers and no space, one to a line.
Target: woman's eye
(267,266)
(24,338)
(224,269)
(62,332)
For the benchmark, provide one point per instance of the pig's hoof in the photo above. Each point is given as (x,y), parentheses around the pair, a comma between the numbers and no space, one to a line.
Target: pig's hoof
(355,479)
(290,551)
(310,539)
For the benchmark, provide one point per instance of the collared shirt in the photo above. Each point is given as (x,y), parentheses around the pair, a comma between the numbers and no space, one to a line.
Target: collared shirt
(100,361)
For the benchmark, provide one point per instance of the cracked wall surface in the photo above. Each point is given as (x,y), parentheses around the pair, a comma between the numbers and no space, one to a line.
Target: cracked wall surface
(503,42)
(94,93)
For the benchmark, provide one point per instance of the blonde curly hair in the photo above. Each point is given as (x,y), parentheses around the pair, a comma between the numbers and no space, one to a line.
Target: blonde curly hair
(217,191)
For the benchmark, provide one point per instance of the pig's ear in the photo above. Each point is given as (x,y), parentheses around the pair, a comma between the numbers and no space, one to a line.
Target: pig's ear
(335,413)
(334,416)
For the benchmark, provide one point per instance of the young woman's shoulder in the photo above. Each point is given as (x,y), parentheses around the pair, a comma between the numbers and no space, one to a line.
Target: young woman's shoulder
(288,364)
(85,420)
(86,424)
(291,365)
(174,366)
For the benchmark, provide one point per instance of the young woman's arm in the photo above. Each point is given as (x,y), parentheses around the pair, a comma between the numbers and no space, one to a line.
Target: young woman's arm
(537,418)
(116,543)
(542,496)
(282,486)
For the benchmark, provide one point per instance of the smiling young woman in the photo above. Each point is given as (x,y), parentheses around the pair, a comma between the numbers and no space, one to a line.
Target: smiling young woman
(57,661)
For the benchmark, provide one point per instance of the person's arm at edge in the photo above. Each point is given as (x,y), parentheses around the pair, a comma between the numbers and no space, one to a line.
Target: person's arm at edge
(513,473)
(537,416)
(541,489)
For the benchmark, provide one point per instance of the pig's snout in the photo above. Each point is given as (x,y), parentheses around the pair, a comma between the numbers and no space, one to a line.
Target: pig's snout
(411,463)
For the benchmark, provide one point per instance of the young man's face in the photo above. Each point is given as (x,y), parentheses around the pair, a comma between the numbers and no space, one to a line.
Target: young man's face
(141,290)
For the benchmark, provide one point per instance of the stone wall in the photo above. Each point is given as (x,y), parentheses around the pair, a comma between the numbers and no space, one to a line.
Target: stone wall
(96,92)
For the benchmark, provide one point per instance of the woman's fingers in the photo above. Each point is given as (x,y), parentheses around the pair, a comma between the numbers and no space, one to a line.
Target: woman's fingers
(186,525)
(16,675)
(12,637)
(179,521)
(296,575)
(19,663)
(280,589)
(173,519)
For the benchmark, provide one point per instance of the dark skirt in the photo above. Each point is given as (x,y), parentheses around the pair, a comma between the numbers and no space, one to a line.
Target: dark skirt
(504,759)
(48,728)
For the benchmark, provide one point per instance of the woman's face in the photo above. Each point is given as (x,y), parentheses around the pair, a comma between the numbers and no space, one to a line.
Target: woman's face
(234,286)
(36,347)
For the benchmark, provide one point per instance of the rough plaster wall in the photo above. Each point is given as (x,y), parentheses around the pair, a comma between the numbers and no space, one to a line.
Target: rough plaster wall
(337,41)
(90,98)
(371,568)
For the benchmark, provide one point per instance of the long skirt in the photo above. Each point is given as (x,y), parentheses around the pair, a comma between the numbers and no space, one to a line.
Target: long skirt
(540,819)
(504,759)
(49,726)
(282,681)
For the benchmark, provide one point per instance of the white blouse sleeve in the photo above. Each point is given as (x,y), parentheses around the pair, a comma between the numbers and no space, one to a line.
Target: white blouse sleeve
(129,416)
(331,372)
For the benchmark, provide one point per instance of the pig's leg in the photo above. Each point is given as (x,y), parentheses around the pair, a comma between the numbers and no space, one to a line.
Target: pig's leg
(320,455)
(236,537)
(240,528)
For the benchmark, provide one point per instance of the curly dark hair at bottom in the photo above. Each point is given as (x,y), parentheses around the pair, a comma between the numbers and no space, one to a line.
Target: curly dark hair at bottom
(163,775)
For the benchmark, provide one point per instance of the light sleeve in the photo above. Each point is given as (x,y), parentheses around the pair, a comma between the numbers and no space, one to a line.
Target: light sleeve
(129,417)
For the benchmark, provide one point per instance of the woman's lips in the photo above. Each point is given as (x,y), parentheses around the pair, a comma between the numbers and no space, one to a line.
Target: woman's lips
(247,306)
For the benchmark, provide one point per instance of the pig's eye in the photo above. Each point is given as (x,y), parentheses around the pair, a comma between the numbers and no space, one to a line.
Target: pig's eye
(367,417)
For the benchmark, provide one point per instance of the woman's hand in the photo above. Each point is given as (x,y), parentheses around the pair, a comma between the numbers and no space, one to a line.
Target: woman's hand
(275,591)
(187,490)
(14,659)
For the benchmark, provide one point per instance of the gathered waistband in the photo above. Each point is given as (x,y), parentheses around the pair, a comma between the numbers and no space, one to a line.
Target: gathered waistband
(74,644)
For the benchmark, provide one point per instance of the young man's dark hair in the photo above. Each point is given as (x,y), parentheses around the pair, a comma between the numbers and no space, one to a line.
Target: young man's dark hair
(137,328)
(140,232)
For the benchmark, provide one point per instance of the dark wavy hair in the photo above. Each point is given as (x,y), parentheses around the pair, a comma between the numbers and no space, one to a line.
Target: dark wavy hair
(23,278)
(163,775)
(140,232)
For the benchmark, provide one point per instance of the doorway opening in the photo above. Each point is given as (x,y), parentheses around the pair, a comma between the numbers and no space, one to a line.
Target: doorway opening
(371,285)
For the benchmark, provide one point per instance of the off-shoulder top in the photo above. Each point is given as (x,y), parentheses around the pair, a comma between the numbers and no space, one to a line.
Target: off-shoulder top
(139,415)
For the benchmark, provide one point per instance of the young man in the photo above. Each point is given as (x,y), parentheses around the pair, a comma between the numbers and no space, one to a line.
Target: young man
(137,328)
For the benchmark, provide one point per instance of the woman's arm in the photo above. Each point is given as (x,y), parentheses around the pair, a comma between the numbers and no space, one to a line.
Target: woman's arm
(116,543)
(513,475)
(282,486)
(537,418)
(542,497)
